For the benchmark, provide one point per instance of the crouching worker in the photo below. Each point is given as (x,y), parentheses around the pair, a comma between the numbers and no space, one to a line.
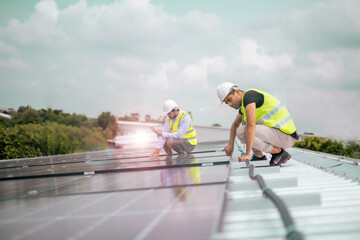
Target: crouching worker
(178,132)
(263,124)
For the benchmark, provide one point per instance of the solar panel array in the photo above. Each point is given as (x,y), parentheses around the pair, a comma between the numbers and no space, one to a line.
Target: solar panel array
(114,194)
(123,194)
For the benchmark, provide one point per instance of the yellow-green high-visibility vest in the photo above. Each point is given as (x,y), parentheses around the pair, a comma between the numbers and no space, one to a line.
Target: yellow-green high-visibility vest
(272,113)
(190,134)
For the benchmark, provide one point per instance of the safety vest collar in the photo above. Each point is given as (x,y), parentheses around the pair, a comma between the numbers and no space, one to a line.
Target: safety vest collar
(179,117)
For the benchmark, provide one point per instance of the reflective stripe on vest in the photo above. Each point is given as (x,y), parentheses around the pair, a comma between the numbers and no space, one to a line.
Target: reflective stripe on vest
(272,113)
(190,134)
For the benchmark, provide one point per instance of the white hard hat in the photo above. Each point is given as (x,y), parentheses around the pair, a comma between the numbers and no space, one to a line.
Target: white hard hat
(169,105)
(224,89)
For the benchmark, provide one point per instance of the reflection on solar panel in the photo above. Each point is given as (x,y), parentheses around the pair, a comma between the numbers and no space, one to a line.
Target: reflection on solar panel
(122,194)
(104,162)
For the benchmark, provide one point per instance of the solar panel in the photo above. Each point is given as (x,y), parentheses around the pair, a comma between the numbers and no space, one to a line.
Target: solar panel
(123,194)
(119,191)
(106,162)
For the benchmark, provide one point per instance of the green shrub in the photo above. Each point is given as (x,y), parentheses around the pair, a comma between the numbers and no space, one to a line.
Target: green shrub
(50,138)
(16,142)
(350,149)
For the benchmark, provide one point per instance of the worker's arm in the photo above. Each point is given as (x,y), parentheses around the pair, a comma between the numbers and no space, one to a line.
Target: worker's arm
(229,149)
(249,130)
(161,140)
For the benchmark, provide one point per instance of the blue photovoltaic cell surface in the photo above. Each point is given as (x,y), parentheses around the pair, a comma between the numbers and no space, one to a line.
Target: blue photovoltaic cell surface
(129,196)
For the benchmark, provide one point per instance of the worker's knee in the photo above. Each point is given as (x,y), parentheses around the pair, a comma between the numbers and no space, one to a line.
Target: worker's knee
(169,142)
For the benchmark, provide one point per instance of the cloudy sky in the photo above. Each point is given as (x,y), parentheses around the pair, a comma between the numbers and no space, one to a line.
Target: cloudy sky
(127,56)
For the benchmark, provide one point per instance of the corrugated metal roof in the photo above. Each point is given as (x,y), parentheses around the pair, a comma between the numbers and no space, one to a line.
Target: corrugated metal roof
(324,200)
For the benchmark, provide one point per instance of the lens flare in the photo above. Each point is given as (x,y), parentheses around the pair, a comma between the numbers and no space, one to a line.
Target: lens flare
(141,138)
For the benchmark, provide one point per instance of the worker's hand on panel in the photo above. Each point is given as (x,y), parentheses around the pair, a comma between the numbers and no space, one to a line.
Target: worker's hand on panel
(243,157)
(229,149)
(155,154)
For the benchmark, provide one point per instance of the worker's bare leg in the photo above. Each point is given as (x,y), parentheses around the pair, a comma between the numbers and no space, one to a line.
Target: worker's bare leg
(168,147)
(258,153)
(275,150)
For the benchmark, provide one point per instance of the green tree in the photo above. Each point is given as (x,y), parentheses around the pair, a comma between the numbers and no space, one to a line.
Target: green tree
(23,109)
(53,115)
(75,120)
(31,116)
(129,118)
(105,119)
(27,116)
(108,123)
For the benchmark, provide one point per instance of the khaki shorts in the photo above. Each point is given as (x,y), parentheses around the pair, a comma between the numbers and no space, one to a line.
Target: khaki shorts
(266,138)
(178,145)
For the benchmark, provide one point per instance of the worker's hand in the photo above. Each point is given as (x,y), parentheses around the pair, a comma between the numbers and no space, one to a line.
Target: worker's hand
(229,149)
(243,157)
(158,132)
(155,154)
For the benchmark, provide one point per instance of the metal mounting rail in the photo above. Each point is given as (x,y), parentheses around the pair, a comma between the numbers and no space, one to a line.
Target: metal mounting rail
(291,232)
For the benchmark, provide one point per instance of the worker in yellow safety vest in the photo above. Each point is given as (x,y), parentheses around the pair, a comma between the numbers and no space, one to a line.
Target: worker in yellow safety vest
(178,132)
(263,124)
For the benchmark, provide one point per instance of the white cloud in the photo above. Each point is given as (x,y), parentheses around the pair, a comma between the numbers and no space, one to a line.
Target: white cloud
(73,83)
(121,25)
(198,73)
(82,23)
(203,21)
(12,63)
(161,77)
(83,72)
(125,24)
(133,64)
(40,28)
(325,112)
(332,69)
(127,45)
(113,75)
(253,54)
(328,24)
(48,9)
(7,49)
(326,66)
